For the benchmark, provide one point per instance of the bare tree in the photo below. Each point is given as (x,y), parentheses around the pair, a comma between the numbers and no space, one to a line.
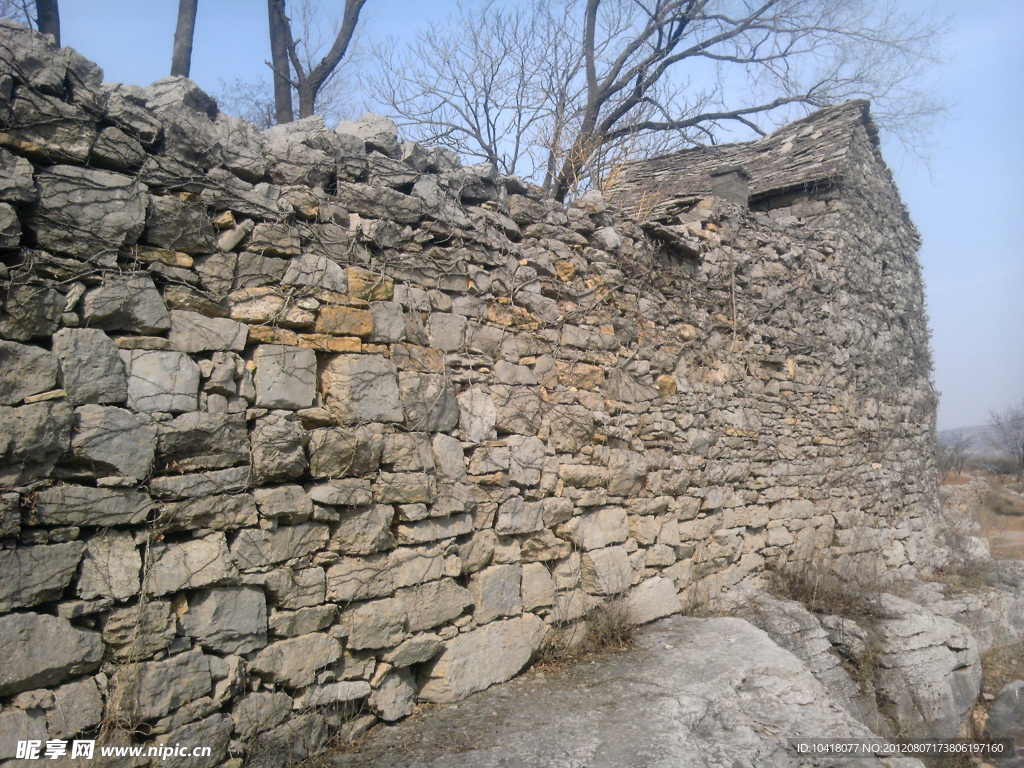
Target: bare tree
(251,100)
(302,74)
(1007,435)
(280,36)
(609,77)
(181,57)
(952,455)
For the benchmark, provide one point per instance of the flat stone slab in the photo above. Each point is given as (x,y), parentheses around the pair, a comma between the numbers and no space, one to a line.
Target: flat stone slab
(700,693)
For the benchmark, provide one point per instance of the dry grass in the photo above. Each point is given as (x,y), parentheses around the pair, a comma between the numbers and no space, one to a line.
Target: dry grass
(605,628)
(822,590)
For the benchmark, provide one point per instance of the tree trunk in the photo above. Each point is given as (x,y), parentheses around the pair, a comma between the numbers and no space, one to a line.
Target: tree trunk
(307,98)
(280,32)
(48,18)
(181,59)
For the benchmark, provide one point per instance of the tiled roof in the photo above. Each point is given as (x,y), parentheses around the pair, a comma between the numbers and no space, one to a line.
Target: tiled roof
(802,154)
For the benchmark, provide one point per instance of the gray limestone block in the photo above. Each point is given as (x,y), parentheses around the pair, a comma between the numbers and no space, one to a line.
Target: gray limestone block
(332,693)
(88,213)
(408,452)
(108,439)
(359,578)
(446,331)
(627,471)
(519,409)
(10,515)
(37,650)
(652,599)
(388,322)
(595,530)
(111,567)
(16,183)
(434,529)
(221,512)
(415,650)
(405,488)
(285,377)
(79,505)
(433,603)
(316,270)
(34,57)
(449,458)
(538,588)
(77,707)
(153,689)
(295,661)
(294,740)
(189,565)
(116,150)
(32,438)
(129,303)
(395,696)
(202,440)
(350,492)
(192,332)
(477,415)
(378,133)
(337,452)
(376,624)
(259,712)
(161,380)
(10,227)
(478,659)
(363,388)
(284,501)
(197,484)
(518,516)
(25,370)
(227,619)
(36,574)
(289,162)
(61,131)
(258,548)
(91,370)
(303,621)
(176,225)
(497,592)
(1006,716)
(298,588)
(364,530)
(430,404)
(18,725)
(177,91)
(278,448)
(31,312)
(125,107)
(139,631)
(213,732)
(241,147)
(606,571)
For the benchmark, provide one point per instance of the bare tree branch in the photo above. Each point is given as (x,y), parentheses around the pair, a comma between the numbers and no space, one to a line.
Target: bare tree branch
(560,88)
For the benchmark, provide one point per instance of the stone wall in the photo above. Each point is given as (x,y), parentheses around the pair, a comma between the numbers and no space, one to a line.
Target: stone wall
(310,422)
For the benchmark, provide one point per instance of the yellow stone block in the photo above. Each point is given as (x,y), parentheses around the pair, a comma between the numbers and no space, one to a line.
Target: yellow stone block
(371,286)
(344,321)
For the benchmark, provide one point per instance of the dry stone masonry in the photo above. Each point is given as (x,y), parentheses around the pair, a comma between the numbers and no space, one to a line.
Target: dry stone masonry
(307,421)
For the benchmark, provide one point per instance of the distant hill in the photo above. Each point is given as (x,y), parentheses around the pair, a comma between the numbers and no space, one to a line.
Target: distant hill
(981,439)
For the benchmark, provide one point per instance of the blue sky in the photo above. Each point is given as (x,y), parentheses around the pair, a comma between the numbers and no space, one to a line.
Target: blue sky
(969,206)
